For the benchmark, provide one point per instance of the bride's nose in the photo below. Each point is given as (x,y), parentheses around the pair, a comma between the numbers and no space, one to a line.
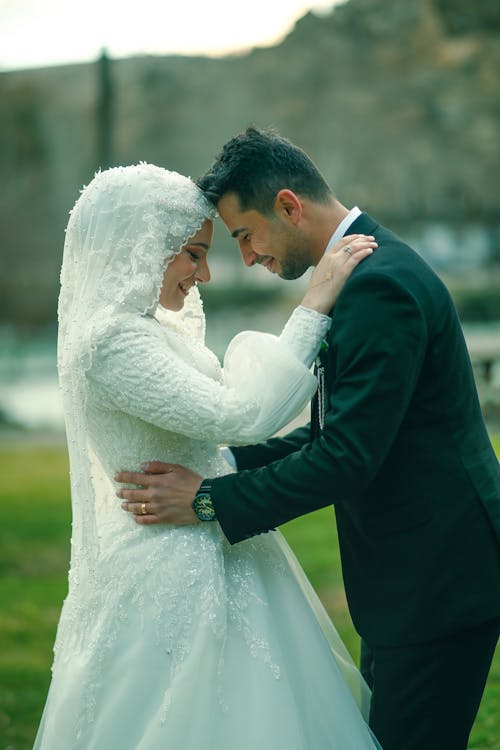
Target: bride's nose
(203,271)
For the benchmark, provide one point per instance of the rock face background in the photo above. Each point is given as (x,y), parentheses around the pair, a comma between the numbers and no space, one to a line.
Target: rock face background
(398,101)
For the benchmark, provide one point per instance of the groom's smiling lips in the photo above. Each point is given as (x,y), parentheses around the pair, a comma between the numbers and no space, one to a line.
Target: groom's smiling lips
(262,260)
(267,261)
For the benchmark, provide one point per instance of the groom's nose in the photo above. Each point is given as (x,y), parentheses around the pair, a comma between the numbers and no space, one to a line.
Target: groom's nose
(248,255)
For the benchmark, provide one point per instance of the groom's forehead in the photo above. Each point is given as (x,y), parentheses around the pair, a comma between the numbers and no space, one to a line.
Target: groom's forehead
(234,217)
(231,214)
(229,204)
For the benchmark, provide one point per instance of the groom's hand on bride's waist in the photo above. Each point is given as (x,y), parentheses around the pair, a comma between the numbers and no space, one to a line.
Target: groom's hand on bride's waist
(164,493)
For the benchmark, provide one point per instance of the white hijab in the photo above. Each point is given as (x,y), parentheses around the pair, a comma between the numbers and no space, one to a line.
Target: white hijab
(127,225)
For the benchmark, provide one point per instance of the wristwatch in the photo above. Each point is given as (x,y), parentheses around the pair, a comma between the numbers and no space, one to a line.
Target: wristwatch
(202,503)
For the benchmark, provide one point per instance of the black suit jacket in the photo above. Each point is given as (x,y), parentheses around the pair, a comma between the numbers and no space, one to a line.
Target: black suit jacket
(404,457)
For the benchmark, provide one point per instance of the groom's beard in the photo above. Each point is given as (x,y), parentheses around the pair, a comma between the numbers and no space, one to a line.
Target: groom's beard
(296,259)
(293,266)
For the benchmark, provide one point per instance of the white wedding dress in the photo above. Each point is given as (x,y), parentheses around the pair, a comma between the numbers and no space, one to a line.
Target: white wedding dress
(170,638)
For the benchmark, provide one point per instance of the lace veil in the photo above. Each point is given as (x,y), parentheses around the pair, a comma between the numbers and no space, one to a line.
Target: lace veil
(127,225)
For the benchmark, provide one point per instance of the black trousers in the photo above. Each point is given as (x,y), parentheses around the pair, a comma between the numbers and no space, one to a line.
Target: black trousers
(426,696)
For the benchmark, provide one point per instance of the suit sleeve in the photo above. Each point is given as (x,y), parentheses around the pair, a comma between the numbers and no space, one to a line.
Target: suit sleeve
(377,347)
(253,456)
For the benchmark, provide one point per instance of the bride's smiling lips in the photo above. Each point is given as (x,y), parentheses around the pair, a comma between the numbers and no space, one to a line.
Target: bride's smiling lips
(185,288)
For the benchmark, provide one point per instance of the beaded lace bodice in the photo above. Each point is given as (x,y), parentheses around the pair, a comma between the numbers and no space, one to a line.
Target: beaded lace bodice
(157,393)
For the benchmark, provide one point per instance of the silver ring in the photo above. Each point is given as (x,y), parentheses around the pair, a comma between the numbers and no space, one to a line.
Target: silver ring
(347,250)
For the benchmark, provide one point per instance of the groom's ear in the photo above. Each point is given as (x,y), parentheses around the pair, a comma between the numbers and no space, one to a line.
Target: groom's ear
(289,206)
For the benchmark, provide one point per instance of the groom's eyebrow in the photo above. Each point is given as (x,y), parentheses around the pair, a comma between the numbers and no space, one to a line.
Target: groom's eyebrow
(237,232)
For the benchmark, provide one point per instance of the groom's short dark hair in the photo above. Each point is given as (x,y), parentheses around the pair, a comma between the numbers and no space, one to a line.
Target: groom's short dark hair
(256,165)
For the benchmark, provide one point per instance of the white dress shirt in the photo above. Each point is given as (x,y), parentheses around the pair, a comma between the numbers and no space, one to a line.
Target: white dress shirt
(344,226)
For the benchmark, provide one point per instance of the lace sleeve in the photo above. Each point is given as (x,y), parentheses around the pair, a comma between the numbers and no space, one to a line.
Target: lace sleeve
(304,332)
(264,385)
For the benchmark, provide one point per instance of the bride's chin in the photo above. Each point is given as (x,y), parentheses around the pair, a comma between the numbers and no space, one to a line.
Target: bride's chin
(179,304)
(174,305)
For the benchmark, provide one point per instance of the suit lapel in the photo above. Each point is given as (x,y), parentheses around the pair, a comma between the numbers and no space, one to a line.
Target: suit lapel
(364,224)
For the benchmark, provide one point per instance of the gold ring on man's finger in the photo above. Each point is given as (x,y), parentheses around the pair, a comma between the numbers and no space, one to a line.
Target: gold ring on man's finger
(144,509)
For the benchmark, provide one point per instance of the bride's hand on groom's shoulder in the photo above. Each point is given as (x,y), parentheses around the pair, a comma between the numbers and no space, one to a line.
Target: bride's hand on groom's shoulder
(164,493)
(333,270)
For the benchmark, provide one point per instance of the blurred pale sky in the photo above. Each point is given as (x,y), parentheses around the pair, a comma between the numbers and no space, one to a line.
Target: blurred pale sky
(50,32)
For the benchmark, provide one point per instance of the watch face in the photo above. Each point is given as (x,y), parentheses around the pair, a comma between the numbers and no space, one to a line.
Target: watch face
(203,508)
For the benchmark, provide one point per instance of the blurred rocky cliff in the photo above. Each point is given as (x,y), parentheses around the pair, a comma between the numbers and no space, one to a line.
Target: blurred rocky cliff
(398,101)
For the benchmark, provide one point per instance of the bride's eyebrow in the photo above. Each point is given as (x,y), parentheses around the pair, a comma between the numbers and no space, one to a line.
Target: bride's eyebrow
(203,245)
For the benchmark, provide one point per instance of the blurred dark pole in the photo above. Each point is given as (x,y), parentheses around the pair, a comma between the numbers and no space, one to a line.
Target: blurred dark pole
(104,125)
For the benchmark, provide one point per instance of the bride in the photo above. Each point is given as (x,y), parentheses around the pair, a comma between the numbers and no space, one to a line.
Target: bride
(170,638)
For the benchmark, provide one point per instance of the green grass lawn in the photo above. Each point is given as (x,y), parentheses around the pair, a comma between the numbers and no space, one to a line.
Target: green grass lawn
(34,553)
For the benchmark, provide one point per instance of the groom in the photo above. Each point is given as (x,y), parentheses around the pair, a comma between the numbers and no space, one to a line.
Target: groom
(396,444)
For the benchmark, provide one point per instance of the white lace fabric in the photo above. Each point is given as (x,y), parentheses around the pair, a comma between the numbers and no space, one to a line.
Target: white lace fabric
(152,373)
(297,335)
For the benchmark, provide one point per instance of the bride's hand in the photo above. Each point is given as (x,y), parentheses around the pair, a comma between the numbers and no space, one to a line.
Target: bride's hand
(334,269)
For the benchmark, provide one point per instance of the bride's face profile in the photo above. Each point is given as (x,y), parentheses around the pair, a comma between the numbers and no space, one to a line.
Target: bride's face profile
(188,268)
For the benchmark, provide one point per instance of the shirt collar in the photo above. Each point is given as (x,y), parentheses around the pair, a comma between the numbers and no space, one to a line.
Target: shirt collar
(344,226)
